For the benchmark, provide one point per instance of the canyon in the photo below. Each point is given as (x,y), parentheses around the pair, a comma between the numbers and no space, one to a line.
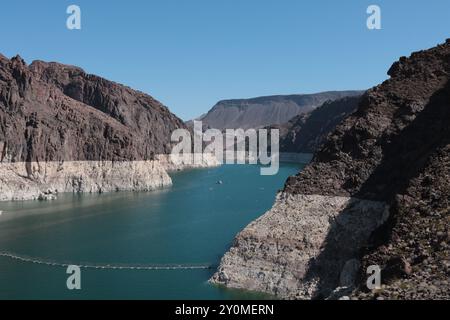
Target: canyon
(63,130)
(375,193)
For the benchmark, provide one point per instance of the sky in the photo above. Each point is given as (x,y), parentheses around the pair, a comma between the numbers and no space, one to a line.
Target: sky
(191,54)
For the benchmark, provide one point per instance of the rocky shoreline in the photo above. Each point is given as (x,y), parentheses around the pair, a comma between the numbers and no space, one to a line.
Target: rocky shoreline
(283,252)
(64,130)
(44,180)
(375,194)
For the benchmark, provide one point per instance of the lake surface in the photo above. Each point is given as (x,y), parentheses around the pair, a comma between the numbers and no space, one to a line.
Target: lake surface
(193,222)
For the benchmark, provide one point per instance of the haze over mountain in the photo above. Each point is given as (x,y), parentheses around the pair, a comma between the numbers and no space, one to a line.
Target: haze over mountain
(265,111)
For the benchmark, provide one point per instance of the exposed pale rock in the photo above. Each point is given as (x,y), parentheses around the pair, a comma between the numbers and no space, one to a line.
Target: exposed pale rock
(25,181)
(62,129)
(283,252)
(395,149)
(43,180)
(179,162)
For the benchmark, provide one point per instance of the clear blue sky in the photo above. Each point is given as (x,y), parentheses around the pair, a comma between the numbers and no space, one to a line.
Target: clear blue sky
(190,54)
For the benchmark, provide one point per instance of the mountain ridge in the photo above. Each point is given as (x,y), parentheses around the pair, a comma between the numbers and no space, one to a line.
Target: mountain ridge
(305,133)
(263,111)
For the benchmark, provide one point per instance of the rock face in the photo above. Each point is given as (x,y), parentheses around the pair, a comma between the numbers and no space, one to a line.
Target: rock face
(283,252)
(67,131)
(266,111)
(44,180)
(54,112)
(50,178)
(305,133)
(379,189)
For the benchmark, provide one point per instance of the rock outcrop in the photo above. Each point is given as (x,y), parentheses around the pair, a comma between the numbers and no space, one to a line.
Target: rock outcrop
(377,193)
(50,178)
(283,252)
(63,130)
(54,112)
(266,111)
(45,180)
(305,133)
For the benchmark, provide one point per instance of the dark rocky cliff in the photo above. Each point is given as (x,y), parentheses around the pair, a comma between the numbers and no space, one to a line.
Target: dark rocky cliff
(54,112)
(376,193)
(306,132)
(396,148)
(391,138)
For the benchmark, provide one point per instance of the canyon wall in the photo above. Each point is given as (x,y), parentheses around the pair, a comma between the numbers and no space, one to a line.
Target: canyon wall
(63,130)
(376,193)
(44,180)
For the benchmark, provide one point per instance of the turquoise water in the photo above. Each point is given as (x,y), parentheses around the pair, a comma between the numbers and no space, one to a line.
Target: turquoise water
(192,222)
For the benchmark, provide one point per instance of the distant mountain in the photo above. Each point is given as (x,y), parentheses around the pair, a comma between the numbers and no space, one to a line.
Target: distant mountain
(306,132)
(266,111)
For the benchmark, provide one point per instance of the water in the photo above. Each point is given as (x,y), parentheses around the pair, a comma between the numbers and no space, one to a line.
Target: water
(194,222)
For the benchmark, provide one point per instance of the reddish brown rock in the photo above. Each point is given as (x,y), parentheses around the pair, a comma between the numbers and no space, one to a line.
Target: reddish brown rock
(395,151)
(55,112)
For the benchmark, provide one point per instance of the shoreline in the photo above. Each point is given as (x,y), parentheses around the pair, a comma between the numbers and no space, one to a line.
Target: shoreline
(24,181)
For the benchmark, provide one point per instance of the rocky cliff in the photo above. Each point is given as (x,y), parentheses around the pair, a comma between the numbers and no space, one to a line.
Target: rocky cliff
(305,133)
(265,111)
(64,130)
(377,193)
(52,112)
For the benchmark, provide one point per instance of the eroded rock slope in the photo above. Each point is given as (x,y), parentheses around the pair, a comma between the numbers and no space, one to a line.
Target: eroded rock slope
(63,130)
(377,193)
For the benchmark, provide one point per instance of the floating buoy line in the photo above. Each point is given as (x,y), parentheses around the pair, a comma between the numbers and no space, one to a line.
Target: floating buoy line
(39,261)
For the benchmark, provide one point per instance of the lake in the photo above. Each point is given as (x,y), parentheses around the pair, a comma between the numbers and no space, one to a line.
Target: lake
(193,222)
